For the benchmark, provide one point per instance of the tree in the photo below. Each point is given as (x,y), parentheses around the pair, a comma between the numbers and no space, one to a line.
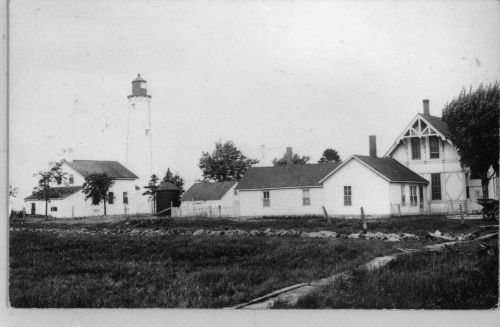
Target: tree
(151,188)
(296,160)
(225,163)
(46,178)
(472,119)
(329,155)
(12,191)
(96,188)
(175,179)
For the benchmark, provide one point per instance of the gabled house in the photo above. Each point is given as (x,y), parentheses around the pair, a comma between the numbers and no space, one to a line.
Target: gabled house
(283,190)
(69,201)
(382,186)
(424,147)
(209,200)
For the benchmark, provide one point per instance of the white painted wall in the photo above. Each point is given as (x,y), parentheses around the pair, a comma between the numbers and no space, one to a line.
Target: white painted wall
(283,202)
(369,191)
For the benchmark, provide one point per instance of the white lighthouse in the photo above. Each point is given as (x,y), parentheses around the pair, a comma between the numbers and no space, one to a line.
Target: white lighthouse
(139,156)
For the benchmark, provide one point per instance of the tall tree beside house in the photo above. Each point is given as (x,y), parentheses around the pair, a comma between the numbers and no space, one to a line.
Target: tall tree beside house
(151,189)
(225,163)
(175,179)
(472,119)
(46,180)
(96,188)
(329,155)
(291,159)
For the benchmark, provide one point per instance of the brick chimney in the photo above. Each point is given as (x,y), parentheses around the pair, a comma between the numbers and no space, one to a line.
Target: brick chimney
(289,155)
(426,107)
(373,146)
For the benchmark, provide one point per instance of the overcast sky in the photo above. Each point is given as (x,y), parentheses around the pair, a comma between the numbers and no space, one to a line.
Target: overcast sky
(305,74)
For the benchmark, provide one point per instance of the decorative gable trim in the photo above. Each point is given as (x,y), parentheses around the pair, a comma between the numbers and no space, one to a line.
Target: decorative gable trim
(418,127)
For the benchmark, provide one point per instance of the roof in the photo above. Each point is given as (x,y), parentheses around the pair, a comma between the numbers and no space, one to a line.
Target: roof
(307,175)
(56,192)
(167,186)
(139,79)
(113,169)
(437,123)
(391,169)
(207,191)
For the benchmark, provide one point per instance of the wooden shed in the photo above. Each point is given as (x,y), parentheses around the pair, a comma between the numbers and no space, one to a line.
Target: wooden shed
(167,195)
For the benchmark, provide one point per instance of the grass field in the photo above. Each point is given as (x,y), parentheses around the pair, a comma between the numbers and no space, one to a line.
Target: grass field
(462,277)
(180,270)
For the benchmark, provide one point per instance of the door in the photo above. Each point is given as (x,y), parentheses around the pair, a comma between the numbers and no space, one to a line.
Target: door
(33,208)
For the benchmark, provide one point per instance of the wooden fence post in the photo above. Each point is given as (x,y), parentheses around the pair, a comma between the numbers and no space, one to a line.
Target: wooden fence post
(363,219)
(399,210)
(326,214)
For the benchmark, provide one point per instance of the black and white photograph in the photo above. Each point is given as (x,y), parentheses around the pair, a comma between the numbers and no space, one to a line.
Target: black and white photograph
(253,156)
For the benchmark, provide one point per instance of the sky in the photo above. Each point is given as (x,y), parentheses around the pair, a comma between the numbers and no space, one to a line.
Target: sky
(264,74)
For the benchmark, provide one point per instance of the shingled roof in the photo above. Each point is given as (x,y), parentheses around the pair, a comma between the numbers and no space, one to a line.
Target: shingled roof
(167,186)
(58,193)
(207,191)
(438,124)
(307,175)
(113,169)
(392,169)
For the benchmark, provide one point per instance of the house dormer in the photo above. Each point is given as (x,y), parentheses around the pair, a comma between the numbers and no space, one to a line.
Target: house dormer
(425,139)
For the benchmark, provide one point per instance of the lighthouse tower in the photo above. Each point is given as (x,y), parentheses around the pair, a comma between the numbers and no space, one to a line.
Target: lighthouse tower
(139,156)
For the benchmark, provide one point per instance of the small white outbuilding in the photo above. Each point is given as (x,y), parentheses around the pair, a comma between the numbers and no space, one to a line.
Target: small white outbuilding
(209,200)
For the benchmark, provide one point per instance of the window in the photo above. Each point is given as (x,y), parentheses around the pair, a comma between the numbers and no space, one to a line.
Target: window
(403,195)
(306,198)
(71,179)
(413,195)
(415,148)
(434,147)
(146,131)
(125,198)
(436,186)
(347,196)
(266,200)
(235,192)
(53,209)
(111,198)
(59,181)
(421,195)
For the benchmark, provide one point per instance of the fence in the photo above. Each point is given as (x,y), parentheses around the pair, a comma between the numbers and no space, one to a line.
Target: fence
(445,207)
(203,211)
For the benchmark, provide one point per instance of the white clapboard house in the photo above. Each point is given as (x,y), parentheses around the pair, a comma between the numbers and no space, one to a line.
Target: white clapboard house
(340,189)
(206,199)
(424,146)
(69,201)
